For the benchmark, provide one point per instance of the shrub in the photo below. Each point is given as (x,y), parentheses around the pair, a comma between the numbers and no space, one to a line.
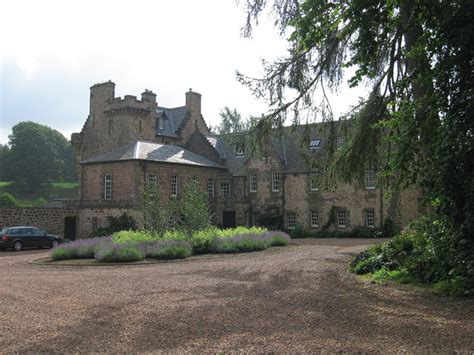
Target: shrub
(62,254)
(80,249)
(134,237)
(169,249)
(279,238)
(8,200)
(40,202)
(202,241)
(425,253)
(119,253)
(242,243)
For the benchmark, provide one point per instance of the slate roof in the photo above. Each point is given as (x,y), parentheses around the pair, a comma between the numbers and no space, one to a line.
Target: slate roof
(172,120)
(139,150)
(235,164)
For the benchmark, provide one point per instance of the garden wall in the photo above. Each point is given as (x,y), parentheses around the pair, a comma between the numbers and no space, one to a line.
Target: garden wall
(51,219)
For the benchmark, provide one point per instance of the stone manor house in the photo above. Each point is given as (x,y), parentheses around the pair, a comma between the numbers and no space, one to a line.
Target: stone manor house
(128,142)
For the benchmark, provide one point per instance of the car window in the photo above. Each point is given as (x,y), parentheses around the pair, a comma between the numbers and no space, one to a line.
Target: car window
(26,231)
(3,231)
(15,231)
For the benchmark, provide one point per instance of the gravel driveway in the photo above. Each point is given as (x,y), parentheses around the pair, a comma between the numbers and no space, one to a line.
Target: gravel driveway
(298,298)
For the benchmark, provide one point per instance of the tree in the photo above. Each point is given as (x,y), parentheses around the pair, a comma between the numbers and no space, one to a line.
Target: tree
(416,122)
(194,209)
(39,154)
(156,215)
(4,157)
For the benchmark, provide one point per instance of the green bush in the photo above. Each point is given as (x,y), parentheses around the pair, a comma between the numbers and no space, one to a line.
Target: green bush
(134,237)
(62,254)
(119,254)
(279,241)
(172,252)
(8,200)
(424,253)
(40,202)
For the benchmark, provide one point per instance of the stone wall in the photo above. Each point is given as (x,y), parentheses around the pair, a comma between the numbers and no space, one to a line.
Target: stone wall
(51,220)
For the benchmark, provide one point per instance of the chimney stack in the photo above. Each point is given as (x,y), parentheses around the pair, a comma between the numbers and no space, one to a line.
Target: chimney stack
(193,102)
(149,95)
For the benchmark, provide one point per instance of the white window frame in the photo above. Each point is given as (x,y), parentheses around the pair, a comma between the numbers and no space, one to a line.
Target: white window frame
(291,220)
(210,187)
(370,178)
(314,218)
(313,178)
(253,181)
(340,141)
(341,218)
(369,216)
(174,185)
(276,181)
(108,187)
(315,143)
(224,189)
(151,178)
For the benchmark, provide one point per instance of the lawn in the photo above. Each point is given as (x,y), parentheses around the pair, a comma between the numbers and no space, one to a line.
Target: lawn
(49,192)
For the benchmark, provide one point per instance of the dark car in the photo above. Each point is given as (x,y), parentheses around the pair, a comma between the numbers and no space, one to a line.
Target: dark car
(18,238)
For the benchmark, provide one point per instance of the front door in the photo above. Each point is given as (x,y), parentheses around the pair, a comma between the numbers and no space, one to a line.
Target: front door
(228,219)
(70,228)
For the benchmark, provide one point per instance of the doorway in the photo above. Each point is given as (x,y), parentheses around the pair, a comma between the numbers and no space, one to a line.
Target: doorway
(228,219)
(70,228)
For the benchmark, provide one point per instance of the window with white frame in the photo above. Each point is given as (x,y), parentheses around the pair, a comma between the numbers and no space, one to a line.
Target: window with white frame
(253,181)
(340,141)
(313,180)
(151,178)
(210,187)
(369,218)
(341,218)
(108,187)
(370,177)
(225,189)
(291,220)
(314,143)
(111,127)
(275,181)
(314,219)
(174,185)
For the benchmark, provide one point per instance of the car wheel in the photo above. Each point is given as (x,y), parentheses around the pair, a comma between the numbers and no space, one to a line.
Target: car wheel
(17,246)
(54,243)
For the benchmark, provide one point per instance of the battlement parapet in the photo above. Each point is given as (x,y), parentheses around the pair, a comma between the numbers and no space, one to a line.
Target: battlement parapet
(127,102)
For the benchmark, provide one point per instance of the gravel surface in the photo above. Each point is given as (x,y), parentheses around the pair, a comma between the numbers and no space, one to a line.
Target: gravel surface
(299,298)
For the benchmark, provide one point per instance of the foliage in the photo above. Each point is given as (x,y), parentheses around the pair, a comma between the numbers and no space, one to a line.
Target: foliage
(116,224)
(8,200)
(424,252)
(80,249)
(63,254)
(194,209)
(169,249)
(242,243)
(156,216)
(416,123)
(4,156)
(40,202)
(357,232)
(123,245)
(39,154)
(119,253)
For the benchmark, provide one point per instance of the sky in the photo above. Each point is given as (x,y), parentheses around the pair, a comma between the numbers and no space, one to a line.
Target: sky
(51,52)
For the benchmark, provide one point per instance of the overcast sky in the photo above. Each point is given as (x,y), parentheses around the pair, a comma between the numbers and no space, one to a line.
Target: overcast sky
(53,51)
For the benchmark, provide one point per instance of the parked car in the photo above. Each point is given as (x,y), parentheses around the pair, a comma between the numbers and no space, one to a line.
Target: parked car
(21,237)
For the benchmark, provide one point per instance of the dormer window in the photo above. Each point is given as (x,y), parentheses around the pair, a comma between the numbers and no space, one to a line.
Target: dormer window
(161,123)
(314,143)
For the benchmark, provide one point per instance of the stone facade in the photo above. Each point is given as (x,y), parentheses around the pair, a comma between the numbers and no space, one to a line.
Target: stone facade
(245,189)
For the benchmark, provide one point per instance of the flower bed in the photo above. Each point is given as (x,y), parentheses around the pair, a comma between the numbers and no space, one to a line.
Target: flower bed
(129,246)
